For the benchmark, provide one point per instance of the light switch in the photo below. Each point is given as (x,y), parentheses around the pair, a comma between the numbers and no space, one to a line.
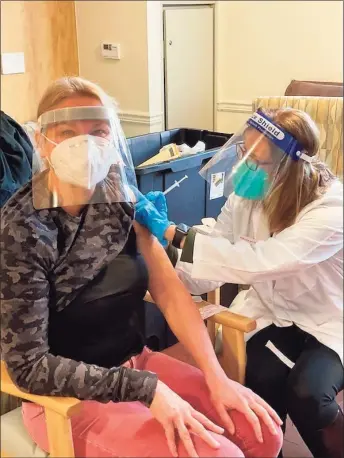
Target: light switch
(111,51)
(12,62)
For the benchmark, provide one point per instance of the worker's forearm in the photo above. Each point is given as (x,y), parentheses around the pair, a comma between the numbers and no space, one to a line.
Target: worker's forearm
(187,243)
(175,302)
(170,233)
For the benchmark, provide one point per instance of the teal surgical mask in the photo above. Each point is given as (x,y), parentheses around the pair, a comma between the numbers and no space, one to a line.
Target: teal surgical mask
(250,184)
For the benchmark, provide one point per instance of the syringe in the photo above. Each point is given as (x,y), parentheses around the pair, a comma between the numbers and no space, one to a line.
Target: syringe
(175,185)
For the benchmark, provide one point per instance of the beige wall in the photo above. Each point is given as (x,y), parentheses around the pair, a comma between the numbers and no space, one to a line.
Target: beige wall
(136,81)
(123,22)
(260,47)
(45,32)
(263,45)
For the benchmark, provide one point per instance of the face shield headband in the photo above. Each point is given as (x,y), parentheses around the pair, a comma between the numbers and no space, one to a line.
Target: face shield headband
(278,136)
(248,162)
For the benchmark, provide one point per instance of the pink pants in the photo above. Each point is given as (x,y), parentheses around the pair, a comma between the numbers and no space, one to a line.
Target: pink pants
(129,430)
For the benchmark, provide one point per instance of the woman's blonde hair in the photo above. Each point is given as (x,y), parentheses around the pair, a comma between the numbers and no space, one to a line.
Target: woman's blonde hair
(71,86)
(297,183)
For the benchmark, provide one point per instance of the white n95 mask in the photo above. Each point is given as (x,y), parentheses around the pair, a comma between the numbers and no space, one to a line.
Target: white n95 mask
(102,163)
(82,161)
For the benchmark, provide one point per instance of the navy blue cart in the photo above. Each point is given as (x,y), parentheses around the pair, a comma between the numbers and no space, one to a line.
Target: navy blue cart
(189,203)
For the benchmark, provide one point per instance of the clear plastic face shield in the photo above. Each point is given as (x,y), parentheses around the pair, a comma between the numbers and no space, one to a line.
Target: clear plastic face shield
(248,163)
(87,157)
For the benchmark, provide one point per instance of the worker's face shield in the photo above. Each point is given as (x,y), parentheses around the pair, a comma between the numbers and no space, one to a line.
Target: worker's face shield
(88,159)
(247,164)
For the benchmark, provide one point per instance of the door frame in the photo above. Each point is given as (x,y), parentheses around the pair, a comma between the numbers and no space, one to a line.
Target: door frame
(191,5)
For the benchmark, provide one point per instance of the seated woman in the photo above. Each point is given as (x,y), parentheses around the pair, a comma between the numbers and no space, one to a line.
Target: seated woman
(74,275)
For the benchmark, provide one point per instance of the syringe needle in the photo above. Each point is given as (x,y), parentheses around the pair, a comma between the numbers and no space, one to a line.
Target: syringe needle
(175,185)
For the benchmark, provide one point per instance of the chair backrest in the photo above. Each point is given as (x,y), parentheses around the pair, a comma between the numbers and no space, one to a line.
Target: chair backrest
(315,88)
(327,112)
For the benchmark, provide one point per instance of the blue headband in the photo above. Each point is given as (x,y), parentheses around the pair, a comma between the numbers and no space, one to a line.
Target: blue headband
(278,136)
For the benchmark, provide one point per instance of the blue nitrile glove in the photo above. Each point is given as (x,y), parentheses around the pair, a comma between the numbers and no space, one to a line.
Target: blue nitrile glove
(151,212)
(159,200)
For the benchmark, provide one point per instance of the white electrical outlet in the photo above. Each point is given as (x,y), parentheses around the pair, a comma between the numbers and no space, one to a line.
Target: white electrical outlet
(111,51)
(12,63)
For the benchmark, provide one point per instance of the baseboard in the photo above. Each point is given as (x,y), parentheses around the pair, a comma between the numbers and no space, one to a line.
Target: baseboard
(235,106)
(142,118)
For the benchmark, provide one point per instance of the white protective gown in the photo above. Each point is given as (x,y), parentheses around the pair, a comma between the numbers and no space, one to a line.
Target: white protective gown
(296,275)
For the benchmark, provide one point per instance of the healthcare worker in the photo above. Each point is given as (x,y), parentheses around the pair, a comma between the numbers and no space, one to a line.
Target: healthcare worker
(281,232)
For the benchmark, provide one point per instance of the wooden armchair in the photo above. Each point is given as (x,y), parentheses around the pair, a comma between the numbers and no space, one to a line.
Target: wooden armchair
(58,413)
(16,442)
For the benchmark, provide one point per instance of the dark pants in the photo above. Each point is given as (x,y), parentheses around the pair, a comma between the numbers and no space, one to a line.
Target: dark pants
(306,392)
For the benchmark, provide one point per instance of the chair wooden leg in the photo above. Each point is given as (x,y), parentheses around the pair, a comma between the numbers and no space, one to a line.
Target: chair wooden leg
(214,297)
(233,355)
(59,435)
(212,328)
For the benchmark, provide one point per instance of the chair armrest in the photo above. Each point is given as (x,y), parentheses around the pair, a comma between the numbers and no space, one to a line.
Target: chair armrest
(66,407)
(232,320)
(228,319)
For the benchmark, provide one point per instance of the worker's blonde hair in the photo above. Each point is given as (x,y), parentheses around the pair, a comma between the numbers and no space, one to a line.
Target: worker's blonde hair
(71,86)
(297,183)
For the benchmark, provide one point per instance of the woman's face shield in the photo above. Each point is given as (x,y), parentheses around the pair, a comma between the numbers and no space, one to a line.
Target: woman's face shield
(87,156)
(247,164)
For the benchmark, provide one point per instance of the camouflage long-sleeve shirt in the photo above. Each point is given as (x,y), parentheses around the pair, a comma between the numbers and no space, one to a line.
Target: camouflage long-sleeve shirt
(49,254)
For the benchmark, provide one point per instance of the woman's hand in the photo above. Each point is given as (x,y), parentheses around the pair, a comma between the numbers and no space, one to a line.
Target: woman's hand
(175,414)
(228,395)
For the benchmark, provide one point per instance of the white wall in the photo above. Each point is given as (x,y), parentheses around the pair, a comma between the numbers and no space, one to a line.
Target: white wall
(155,65)
(156,55)
(123,22)
(263,45)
